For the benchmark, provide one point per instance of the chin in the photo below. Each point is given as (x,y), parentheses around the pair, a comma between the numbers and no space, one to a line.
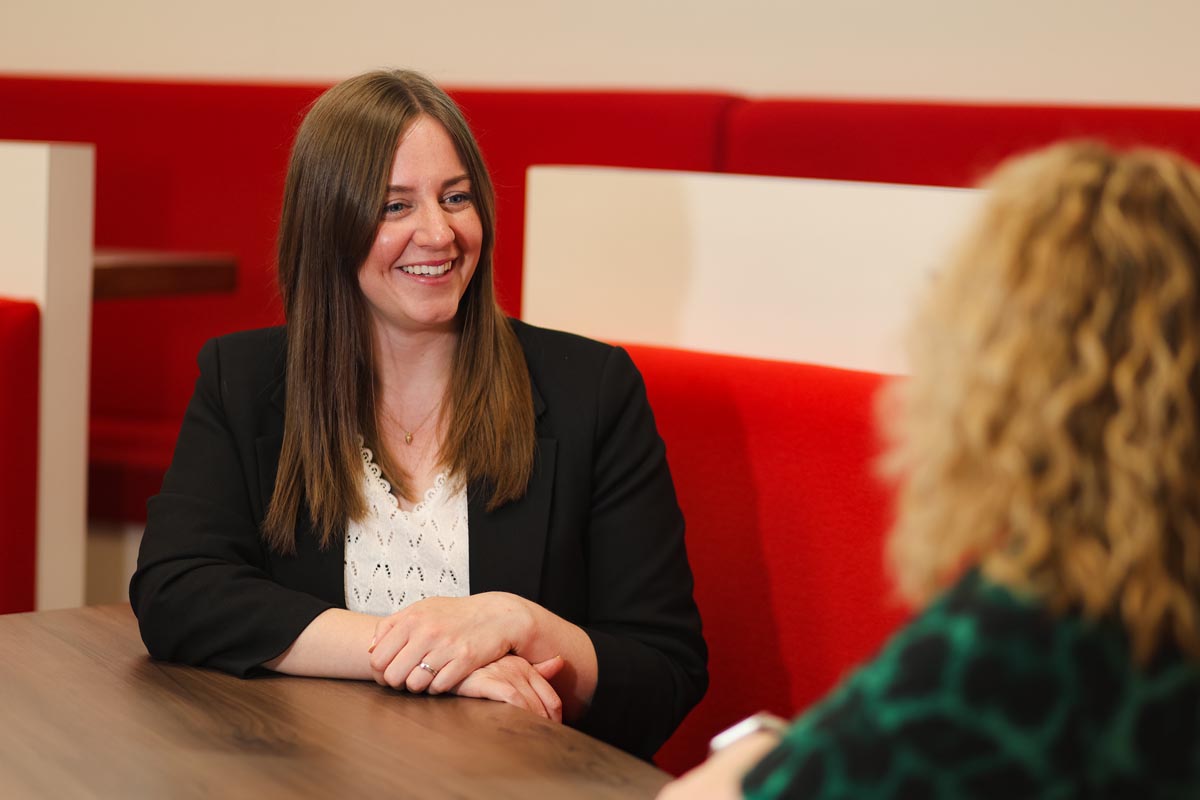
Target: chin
(437,321)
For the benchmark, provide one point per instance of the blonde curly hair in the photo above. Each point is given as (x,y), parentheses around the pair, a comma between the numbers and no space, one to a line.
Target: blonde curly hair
(1049,432)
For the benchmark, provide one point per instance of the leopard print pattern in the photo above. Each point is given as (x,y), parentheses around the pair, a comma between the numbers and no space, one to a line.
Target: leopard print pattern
(985,695)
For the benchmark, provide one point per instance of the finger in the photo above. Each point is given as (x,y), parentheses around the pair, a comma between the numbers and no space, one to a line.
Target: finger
(451,674)
(421,676)
(378,677)
(384,650)
(521,676)
(381,630)
(506,681)
(530,698)
(448,676)
(401,668)
(484,685)
(549,698)
(406,659)
(550,667)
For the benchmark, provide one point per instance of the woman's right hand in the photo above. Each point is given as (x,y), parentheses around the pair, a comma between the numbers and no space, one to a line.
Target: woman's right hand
(513,680)
(720,777)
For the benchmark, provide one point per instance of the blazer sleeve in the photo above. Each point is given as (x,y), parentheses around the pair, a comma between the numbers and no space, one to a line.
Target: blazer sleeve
(642,619)
(202,591)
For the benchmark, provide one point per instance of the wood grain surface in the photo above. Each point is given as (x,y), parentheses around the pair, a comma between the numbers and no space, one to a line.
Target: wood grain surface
(151,273)
(86,713)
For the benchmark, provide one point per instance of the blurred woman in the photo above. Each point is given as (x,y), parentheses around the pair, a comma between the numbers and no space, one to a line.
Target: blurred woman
(1047,450)
(404,485)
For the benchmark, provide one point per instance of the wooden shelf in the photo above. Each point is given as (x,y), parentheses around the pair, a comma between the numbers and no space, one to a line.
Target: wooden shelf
(153,273)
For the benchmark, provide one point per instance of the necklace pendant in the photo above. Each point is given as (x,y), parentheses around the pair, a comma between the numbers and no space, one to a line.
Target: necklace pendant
(408,438)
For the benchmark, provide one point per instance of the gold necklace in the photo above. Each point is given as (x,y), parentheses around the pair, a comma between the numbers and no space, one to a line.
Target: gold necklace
(408,435)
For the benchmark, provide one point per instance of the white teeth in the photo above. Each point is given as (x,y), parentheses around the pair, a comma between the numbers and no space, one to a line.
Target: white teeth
(427,269)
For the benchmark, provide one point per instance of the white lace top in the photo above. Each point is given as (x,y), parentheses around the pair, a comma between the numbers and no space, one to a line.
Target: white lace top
(395,557)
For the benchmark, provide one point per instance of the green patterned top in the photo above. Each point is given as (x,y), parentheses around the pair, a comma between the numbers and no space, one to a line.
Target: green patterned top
(988,695)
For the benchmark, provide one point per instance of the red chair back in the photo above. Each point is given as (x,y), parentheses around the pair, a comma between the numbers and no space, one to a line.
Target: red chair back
(20,350)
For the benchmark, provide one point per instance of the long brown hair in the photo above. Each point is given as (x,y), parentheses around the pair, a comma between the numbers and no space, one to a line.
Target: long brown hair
(335,190)
(1051,428)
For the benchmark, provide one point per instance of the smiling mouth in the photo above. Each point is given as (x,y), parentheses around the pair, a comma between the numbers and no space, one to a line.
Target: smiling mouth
(432,270)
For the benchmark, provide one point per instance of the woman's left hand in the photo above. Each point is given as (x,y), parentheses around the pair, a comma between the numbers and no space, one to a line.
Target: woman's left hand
(451,636)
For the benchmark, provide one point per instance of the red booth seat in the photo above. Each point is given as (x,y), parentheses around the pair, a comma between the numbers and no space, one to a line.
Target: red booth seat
(773,463)
(19,373)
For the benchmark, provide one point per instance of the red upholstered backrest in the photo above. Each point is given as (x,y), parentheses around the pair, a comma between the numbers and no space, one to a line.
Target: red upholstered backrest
(178,166)
(189,166)
(516,129)
(928,143)
(773,463)
(20,338)
(182,167)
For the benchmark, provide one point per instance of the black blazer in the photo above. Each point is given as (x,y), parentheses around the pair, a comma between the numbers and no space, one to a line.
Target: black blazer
(597,539)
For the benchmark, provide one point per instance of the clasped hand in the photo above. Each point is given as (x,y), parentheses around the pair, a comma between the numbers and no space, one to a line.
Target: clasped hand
(470,646)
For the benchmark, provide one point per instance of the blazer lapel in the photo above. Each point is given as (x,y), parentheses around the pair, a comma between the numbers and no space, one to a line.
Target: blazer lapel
(507,545)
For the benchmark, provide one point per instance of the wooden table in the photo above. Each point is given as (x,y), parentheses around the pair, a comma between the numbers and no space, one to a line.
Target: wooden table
(146,273)
(84,712)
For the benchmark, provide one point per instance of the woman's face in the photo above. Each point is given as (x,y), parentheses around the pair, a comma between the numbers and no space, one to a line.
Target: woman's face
(429,237)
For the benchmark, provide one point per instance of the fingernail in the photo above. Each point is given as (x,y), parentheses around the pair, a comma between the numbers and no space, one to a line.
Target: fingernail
(371,649)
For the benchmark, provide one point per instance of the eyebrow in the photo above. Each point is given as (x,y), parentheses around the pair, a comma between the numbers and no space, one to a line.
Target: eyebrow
(446,184)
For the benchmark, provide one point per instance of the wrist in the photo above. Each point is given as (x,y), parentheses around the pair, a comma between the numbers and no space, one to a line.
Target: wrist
(523,625)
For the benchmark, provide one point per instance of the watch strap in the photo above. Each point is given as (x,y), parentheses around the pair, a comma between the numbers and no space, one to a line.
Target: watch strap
(755,723)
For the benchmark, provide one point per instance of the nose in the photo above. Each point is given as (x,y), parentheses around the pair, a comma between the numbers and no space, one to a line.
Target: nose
(433,228)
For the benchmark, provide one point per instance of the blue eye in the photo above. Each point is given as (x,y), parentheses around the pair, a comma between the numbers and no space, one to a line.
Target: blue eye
(394,207)
(457,199)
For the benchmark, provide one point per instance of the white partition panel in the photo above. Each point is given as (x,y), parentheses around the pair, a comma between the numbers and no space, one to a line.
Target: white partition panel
(801,270)
(46,206)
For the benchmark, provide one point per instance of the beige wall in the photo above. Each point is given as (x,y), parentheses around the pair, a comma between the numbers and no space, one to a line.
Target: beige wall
(1121,51)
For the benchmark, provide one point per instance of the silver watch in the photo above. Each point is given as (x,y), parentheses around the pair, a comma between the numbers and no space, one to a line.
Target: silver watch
(762,721)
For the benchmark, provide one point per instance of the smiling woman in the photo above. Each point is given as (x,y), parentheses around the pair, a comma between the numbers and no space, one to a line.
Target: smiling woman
(402,484)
